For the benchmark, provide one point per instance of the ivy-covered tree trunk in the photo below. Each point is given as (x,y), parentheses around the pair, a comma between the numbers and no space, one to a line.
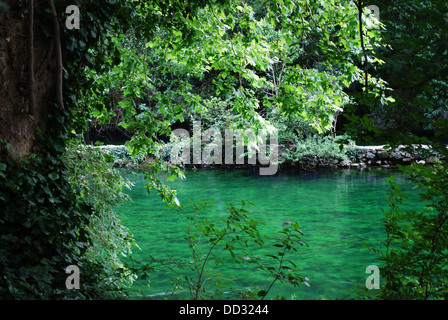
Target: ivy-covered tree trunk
(42,225)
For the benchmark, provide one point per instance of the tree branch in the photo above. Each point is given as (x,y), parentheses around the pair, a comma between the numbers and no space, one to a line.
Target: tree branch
(359,5)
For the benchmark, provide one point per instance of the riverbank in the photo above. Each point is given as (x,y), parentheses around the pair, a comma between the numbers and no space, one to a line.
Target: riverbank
(355,157)
(378,156)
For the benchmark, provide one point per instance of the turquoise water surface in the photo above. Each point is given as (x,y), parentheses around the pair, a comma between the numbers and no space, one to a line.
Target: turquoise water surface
(338,211)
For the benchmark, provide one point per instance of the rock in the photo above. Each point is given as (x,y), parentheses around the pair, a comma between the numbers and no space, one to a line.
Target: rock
(383,154)
(397,155)
(354,165)
(370,155)
(334,161)
(345,163)
(407,160)
(311,164)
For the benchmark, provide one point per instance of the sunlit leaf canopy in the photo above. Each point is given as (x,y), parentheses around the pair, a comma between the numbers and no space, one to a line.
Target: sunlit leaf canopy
(297,56)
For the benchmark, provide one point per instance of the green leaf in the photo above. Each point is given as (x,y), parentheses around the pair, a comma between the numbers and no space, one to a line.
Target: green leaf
(261,293)
(53,176)
(124,124)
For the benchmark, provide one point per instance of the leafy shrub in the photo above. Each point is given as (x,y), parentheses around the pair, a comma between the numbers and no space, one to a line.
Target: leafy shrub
(120,154)
(101,186)
(415,252)
(290,128)
(323,149)
(43,230)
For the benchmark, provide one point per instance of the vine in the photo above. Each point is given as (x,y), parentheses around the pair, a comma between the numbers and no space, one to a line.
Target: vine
(31,79)
(57,41)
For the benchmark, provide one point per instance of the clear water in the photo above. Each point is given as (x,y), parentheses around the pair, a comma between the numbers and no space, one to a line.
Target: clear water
(338,212)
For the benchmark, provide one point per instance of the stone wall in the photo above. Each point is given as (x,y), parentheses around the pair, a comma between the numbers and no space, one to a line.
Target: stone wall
(360,157)
(385,157)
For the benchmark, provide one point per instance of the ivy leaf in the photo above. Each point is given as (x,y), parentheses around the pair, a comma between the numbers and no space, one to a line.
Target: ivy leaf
(53,176)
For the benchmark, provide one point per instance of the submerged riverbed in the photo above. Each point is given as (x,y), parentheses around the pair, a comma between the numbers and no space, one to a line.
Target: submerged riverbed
(338,211)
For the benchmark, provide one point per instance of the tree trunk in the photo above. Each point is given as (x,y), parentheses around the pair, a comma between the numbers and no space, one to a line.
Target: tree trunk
(27,75)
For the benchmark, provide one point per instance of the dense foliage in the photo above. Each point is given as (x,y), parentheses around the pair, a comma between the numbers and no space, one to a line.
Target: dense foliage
(415,249)
(101,186)
(42,228)
(44,223)
(248,65)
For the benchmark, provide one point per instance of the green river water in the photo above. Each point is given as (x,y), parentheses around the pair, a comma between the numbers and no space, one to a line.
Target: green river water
(338,211)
